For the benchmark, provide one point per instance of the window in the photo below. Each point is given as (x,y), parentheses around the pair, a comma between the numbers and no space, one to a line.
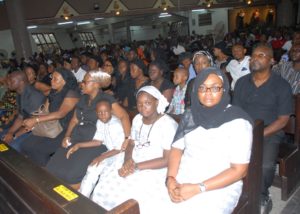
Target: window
(88,39)
(46,42)
(204,19)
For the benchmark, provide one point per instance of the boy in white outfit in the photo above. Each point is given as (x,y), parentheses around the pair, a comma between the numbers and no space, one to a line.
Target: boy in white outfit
(110,133)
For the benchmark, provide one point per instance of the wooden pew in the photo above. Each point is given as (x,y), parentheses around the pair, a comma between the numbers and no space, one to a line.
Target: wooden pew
(249,202)
(288,178)
(27,188)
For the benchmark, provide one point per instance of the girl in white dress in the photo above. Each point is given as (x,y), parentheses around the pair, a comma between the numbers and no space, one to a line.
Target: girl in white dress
(210,152)
(140,173)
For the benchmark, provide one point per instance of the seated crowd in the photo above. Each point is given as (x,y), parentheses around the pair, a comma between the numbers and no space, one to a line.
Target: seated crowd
(119,139)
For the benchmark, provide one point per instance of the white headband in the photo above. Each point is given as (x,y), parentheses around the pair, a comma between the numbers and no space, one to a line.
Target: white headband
(162,101)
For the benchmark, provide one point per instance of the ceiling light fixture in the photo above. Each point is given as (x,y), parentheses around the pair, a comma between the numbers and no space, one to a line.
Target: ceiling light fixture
(200,10)
(83,23)
(163,15)
(65,23)
(31,27)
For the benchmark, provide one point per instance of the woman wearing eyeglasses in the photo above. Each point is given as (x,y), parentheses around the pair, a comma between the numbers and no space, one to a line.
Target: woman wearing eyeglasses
(140,172)
(210,152)
(201,60)
(82,128)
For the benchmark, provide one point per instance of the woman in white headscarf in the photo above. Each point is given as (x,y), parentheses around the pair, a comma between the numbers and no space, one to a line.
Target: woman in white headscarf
(141,171)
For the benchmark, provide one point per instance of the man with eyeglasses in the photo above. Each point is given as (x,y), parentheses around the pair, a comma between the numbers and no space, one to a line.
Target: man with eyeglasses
(267,96)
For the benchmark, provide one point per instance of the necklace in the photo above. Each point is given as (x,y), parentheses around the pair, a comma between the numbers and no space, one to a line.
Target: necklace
(147,142)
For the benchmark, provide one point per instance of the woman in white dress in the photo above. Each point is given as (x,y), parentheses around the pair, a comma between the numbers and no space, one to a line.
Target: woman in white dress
(140,173)
(210,152)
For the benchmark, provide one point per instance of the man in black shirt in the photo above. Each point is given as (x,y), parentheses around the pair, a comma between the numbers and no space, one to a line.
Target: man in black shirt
(265,95)
(29,100)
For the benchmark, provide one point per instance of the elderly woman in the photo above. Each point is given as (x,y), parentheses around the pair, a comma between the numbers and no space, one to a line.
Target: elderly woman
(201,60)
(82,128)
(61,101)
(210,152)
(157,69)
(139,174)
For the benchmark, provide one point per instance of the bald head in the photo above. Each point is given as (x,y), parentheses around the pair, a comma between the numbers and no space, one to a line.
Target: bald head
(267,49)
(19,75)
(17,81)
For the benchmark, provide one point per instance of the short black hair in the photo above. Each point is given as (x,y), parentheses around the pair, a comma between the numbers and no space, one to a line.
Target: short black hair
(106,102)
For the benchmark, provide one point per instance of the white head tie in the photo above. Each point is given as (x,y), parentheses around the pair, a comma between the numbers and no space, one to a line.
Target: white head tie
(162,101)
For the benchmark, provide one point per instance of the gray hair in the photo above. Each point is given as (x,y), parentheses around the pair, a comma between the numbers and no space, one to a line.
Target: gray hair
(101,77)
(205,54)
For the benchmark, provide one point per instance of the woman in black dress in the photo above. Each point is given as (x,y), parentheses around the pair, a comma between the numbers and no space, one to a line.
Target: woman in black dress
(62,100)
(122,80)
(82,128)
(137,73)
(157,69)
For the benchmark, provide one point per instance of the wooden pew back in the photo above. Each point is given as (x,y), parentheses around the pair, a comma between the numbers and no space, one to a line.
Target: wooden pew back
(27,188)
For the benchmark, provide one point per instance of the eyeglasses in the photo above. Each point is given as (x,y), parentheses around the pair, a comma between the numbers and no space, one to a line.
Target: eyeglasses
(107,65)
(141,145)
(259,55)
(213,89)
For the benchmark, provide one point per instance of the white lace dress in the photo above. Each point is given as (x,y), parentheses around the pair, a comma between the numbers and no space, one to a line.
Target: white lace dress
(143,185)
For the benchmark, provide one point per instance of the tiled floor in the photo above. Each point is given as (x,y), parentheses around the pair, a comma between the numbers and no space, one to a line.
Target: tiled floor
(292,206)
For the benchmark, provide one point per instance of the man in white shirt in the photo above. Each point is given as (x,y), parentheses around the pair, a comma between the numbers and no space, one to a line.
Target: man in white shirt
(239,66)
(76,69)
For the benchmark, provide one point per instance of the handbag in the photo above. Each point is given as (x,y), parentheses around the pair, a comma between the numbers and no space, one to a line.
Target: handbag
(50,129)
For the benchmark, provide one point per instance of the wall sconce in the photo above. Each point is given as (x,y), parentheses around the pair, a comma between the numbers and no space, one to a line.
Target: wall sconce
(248,2)
(164,5)
(66,14)
(208,3)
(117,8)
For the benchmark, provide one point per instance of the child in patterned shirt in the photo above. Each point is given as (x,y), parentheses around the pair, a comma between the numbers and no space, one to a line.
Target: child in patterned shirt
(180,78)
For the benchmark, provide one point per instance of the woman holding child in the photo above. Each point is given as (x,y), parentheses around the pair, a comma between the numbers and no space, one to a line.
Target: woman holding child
(82,128)
(140,172)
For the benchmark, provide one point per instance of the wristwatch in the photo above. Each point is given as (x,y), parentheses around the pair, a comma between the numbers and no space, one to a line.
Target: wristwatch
(202,187)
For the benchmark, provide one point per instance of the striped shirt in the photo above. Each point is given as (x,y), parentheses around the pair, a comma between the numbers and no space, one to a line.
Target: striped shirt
(177,103)
(287,72)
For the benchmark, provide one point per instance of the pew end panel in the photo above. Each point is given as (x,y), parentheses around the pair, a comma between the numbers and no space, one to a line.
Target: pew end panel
(288,178)
(249,202)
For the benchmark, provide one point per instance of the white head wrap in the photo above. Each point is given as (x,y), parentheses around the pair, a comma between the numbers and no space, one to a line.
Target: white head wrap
(162,101)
